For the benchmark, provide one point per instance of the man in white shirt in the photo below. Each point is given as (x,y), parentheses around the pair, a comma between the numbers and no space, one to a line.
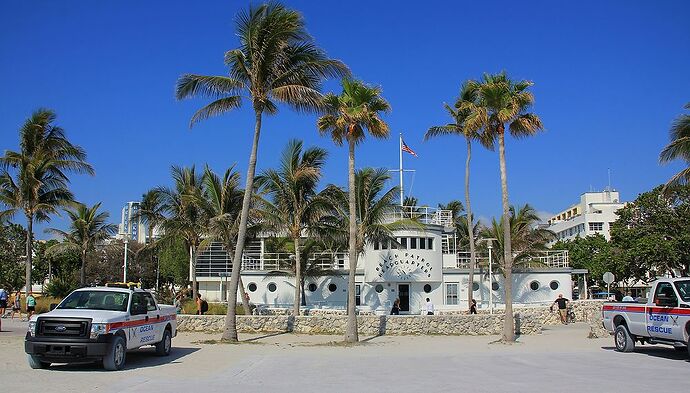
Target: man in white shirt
(429,307)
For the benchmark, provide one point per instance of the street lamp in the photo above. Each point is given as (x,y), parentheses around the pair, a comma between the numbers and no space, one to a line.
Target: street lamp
(124,272)
(490,244)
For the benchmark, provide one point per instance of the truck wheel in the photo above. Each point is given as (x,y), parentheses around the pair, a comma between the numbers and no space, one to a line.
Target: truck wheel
(624,342)
(165,345)
(115,358)
(36,363)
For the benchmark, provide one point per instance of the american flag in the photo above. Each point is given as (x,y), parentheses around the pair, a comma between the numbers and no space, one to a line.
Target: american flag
(407,149)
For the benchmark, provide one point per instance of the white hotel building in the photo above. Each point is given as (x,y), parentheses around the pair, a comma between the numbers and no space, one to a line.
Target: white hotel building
(594,214)
(426,266)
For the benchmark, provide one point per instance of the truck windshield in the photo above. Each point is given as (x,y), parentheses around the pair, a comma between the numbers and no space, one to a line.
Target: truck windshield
(95,300)
(683,288)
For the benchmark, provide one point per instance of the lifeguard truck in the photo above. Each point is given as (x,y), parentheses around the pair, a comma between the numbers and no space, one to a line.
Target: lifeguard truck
(664,318)
(100,324)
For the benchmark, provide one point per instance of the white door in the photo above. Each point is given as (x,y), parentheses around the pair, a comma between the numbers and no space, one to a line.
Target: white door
(138,319)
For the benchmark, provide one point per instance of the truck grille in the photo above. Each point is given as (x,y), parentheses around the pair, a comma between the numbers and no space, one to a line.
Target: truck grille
(62,327)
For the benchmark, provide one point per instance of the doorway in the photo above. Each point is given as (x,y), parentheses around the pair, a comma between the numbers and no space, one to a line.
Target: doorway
(404,296)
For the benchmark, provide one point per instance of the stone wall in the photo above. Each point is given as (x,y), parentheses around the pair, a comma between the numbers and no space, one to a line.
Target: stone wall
(367,324)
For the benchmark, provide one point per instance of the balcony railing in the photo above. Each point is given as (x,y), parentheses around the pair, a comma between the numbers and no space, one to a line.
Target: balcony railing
(540,259)
(220,264)
(422,214)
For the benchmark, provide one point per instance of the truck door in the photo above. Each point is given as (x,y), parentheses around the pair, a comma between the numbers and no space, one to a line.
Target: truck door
(139,331)
(155,317)
(662,321)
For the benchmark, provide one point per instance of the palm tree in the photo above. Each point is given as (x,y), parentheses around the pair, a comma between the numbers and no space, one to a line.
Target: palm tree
(222,203)
(88,227)
(347,118)
(679,148)
(502,102)
(468,94)
(527,237)
(184,217)
(40,183)
(296,208)
(277,61)
(151,212)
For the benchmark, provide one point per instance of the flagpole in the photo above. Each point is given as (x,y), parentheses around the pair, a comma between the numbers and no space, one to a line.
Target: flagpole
(402,193)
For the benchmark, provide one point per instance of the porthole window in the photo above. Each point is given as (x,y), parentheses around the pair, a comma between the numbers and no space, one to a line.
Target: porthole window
(332,287)
(554,285)
(475,286)
(252,287)
(378,288)
(534,285)
(494,286)
(427,288)
(312,287)
(272,287)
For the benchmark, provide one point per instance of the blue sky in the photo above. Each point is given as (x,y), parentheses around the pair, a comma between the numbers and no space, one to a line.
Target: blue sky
(609,79)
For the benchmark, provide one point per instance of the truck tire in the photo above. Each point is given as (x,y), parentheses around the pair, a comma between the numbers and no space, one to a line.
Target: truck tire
(36,363)
(165,345)
(116,356)
(623,339)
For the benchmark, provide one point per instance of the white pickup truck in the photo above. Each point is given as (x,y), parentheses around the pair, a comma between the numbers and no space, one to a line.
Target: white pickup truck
(663,319)
(100,324)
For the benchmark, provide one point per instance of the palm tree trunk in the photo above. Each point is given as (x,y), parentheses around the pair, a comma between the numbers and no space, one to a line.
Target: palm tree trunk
(508,322)
(29,249)
(192,264)
(298,278)
(245,300)
(351,328)
(82,270)
(230,332)
(470,227)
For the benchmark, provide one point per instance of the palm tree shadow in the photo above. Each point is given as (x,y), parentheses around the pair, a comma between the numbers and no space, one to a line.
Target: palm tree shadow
(658,352)
(264,336)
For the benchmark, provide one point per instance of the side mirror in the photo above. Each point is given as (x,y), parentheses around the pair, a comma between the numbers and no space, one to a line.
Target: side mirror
(138,309)
(52,306)
(666,302)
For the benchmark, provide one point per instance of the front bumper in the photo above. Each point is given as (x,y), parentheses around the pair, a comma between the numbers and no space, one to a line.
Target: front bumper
(67,350)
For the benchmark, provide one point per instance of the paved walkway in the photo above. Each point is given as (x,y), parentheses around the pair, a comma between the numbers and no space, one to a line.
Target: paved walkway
(561,359)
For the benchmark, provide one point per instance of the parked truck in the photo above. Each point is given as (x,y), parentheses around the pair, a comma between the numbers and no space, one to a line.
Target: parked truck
(100,324)
(663,318)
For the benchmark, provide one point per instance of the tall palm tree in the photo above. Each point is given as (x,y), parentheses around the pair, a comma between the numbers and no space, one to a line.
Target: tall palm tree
(468,94)
(151,213)
(347,118)
(503,103)
(184,217)
(39,187)
(277,62)
(88,227)
(296,207)
(527,238)
(222,203)
(678,148)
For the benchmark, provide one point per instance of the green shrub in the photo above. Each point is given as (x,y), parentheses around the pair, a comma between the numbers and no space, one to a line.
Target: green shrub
(43,303)
(189,307)
(60,287)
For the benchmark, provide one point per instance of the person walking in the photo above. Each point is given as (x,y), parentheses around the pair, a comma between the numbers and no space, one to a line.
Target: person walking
(201,305)
(17,305)
(30,305)
(3,302)
(429,307)
(562,308)
(396,307)
(473,307)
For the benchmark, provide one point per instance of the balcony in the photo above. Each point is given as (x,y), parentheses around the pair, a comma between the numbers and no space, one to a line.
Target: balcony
(550,259)
(422,214)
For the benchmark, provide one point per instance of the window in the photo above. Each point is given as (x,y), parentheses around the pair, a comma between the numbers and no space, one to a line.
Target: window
(475,286)
(150,303)
(251,287)
(495,286)
(430,243)
(384,245)
(376,245)
(422,243)
(683,288)
(413,243)
(403,242)
(534,285)
(272,287)
(427,288)
(312,287)
(664,291)
(596,226)
(332,287)
(358,291)
(452,293)
(378,288)
(554,285)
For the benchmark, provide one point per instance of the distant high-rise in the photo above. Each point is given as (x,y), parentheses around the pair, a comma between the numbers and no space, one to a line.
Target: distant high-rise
(594,214)
(131,224)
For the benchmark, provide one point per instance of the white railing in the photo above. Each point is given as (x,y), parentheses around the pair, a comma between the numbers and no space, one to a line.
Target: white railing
(422,214)
(543,259)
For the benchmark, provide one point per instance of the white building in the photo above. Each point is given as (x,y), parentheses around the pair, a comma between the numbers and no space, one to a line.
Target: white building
(425,265)
(132,226)
(594,214)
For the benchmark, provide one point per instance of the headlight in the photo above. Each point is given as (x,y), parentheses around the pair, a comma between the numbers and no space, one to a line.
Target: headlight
(32,328)
(98,328)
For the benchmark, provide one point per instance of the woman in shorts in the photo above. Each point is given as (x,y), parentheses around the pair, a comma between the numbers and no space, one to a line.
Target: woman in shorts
(30,305)
(17,305)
